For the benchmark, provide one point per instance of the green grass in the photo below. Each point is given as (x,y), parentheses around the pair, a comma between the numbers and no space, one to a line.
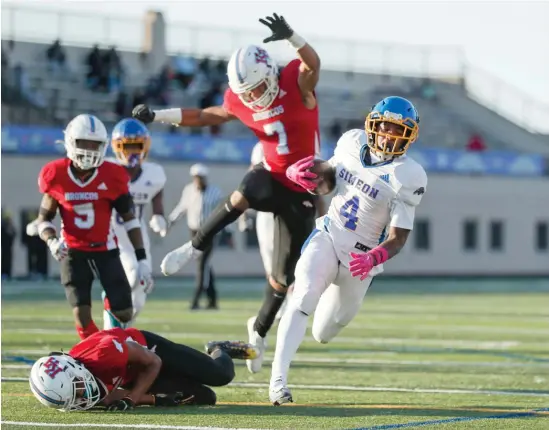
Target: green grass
(487,337)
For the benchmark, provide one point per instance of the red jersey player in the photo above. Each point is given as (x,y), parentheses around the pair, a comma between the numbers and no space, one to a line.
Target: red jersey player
(85,189)
(280,107)
(122,368)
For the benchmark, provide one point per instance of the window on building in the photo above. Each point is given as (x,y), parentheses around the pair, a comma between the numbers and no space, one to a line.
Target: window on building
(421,235)
(496,235)
(470,235)
(542,236)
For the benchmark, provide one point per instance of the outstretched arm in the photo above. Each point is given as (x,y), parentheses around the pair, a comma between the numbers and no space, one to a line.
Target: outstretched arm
(309,71)
(214,115)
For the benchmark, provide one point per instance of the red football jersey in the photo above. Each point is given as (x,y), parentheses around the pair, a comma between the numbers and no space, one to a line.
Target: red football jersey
(85,207)
(105,355)
(287,130)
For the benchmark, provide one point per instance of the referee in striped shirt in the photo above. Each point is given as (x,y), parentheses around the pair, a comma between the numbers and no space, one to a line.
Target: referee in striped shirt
(198,200)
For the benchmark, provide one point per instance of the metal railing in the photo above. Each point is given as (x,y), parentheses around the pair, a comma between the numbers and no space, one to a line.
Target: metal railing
(24,23)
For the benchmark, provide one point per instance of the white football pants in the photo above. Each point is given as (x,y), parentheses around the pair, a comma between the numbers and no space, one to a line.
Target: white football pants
(327,288)
(264,227)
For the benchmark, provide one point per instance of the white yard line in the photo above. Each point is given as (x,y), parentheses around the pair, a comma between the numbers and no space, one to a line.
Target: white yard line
(451,343)
(366,361)
(353,326)
(377,389)
(117,426)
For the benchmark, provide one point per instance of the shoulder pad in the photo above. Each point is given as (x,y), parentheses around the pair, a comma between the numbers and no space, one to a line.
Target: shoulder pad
(155,173)
(350,141)
(412,179)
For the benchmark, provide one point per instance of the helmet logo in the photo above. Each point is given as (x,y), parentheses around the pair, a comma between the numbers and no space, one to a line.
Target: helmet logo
(261,56)
(53,367)
(391,115)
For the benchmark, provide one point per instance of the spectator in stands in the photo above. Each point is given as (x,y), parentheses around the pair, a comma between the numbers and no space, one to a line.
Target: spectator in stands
(219,73)
(476,143)
(213,97)
(56,58)
(8,238)
(112,70)
(184,70)
(95,66)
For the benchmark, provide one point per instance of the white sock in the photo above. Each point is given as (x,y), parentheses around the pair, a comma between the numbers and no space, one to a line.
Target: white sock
(291,331)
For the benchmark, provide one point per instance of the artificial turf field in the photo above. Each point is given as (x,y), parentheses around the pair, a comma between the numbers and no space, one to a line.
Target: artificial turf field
(445,354)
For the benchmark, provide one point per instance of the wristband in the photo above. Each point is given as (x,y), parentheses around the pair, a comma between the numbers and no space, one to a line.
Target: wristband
(140,254)
(172,116)
(379,254)
(296,41)
(132,224)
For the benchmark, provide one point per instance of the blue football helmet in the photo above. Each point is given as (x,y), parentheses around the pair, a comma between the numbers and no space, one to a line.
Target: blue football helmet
(130,142)
(392,126)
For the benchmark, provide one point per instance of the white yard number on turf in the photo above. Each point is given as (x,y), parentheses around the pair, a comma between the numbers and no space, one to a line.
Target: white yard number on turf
(86,216)
(278,128)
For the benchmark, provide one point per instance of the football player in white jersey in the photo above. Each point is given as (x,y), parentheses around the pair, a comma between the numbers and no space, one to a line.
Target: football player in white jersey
(370,217)
(130,143)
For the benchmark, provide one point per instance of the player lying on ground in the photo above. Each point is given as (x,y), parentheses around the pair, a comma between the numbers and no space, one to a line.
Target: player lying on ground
(281,109)
(377,187)
(86,188)
(124,368)
(130,142)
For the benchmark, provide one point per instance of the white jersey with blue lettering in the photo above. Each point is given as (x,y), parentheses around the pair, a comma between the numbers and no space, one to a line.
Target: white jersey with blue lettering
(143,189)
(369,199)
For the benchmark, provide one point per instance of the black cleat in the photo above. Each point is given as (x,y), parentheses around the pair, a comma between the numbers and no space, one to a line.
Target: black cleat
(234,348)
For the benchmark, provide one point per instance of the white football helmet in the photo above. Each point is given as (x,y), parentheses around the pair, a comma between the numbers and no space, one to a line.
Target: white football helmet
(89,128)
(61,382)
(249,69)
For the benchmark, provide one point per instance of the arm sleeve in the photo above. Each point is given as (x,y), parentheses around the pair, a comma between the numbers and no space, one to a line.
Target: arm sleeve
(123,204)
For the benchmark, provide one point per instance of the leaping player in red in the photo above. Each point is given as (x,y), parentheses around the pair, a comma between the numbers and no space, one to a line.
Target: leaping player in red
(281,108)
(85,189)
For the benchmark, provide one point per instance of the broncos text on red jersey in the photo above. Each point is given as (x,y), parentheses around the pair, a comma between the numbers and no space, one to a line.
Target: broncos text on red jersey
(287,130)
(85,207)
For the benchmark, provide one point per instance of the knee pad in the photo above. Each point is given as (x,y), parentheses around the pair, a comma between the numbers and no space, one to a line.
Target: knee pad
(124,316)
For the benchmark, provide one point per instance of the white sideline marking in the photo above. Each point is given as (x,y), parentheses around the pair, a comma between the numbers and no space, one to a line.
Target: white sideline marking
(118,426)
(379,389)
(353,325)
(306,359)
(482,344)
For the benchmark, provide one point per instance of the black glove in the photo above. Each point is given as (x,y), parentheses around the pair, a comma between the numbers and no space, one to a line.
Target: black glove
(167,400)
(143,113)
(278,25)
(125,404)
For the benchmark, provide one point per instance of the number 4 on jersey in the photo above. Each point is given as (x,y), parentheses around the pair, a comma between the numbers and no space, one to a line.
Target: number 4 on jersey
(349,211)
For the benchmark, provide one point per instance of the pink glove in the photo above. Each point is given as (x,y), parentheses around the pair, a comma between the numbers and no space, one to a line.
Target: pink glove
(361,264)
(299,174)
